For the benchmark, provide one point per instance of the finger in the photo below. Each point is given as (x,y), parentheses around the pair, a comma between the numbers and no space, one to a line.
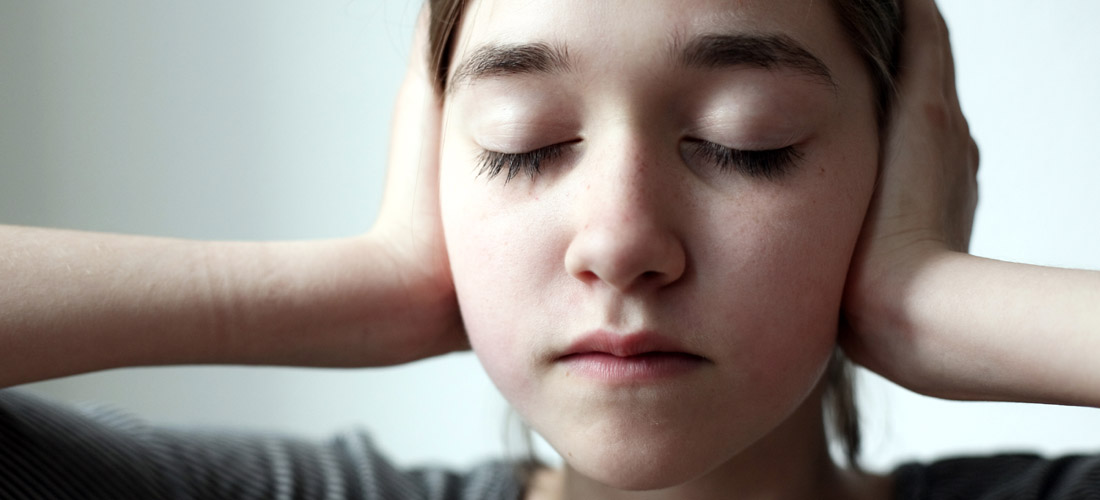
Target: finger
(947,57)
(975,155)
(922,40)
(413,150)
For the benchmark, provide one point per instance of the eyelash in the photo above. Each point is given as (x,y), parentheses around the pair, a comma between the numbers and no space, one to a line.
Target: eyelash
(769,164)
(492,163)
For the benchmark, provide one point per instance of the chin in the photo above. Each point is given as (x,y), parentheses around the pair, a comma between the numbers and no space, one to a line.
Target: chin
(644,478)
(655,450)
(640,463)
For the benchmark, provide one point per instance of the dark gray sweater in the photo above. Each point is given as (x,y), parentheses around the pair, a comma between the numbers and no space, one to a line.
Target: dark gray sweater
(50,451)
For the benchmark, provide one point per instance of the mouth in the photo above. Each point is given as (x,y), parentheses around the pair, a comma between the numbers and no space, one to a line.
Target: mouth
(629,359)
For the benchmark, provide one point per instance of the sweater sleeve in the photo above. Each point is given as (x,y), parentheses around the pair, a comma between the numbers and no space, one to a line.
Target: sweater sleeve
(1016,476)
(53,451)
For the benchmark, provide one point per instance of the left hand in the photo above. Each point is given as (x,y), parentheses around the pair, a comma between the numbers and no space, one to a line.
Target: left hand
(923,207)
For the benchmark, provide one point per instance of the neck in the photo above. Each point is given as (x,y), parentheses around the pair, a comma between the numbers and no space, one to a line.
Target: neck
(791,462)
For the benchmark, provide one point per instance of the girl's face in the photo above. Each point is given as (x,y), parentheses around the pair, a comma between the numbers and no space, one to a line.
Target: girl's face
(650,208)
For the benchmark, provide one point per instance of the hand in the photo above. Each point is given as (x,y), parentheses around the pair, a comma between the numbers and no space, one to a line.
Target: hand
(409,230)
(923,208)
(380,299)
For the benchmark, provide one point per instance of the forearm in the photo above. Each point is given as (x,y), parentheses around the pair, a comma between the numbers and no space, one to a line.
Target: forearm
(991,330)
(74,302)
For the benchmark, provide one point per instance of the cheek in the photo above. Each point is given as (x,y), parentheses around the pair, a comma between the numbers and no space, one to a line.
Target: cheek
(778,261)
(504,269)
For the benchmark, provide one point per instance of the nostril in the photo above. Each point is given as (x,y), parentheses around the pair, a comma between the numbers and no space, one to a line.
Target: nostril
(627,256)
(588,276)
(656,278)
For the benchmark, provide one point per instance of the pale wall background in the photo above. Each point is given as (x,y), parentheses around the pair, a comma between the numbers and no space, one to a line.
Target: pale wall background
(254,119)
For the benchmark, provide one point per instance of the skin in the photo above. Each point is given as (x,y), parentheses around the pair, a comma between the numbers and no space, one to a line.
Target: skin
(626,232)
(924,313)
(919,311)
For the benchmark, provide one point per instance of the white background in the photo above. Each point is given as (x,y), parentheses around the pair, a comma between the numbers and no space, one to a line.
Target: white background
(268,120)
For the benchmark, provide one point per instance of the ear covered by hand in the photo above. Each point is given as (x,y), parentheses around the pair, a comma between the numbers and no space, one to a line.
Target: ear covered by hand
(409,229)
(925,198)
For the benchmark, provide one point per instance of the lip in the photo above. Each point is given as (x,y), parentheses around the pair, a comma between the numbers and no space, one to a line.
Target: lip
(625,359)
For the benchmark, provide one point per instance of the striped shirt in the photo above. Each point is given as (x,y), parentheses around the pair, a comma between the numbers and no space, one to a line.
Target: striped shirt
(49,451)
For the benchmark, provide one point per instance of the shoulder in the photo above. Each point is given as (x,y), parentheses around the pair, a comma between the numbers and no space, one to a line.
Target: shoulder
(364,466)
(1009,476)
(54,451)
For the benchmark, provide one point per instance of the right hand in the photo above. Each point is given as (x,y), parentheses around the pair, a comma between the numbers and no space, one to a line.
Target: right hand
(74,302)
(409,230)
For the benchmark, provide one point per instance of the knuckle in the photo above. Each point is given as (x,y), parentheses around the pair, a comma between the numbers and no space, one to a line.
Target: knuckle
(975,155)
(936,113)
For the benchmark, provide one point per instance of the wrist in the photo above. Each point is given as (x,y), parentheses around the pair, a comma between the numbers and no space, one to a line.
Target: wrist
(883,289)
(355,302)
(887,309)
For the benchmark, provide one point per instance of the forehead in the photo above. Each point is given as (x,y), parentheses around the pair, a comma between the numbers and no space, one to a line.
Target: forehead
(607,35)
(613,16)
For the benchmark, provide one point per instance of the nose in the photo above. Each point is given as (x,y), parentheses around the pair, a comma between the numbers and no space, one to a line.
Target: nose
(626,228)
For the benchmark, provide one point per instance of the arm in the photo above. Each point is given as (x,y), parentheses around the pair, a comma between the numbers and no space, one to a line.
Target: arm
(76,302)
(966,327)
(73,301)
(925,314)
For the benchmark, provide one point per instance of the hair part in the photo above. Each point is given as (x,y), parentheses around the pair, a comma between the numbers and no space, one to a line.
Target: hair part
(874,29)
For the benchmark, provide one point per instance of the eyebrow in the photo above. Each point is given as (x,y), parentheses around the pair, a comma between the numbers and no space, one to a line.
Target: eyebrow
(708,51)
(511,59)
(767,51)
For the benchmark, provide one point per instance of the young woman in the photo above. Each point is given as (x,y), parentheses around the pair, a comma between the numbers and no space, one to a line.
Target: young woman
(646,222)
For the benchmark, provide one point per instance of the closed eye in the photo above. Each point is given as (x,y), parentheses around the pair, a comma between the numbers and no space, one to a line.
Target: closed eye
(492,163)
(769,164)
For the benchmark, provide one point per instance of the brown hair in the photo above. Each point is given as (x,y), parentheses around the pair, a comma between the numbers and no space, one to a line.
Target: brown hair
(873,27)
